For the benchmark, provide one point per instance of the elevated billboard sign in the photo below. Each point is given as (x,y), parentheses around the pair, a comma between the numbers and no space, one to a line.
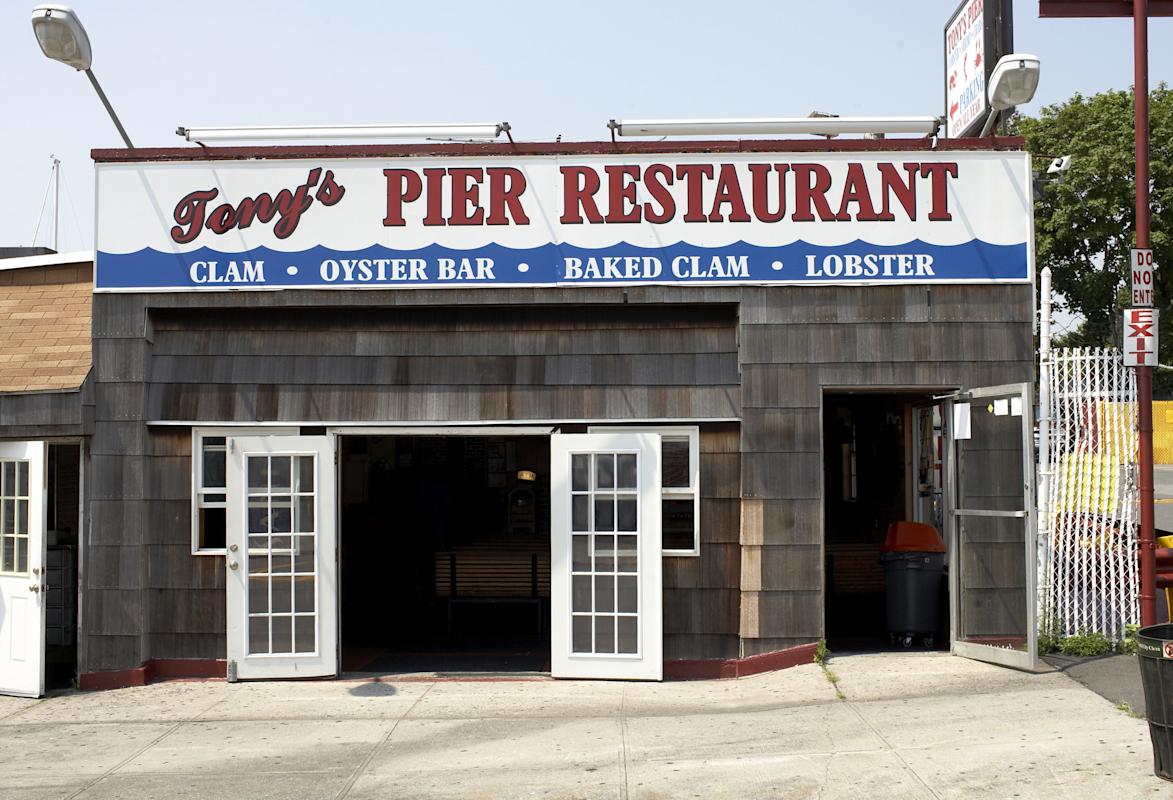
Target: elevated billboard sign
(977,34)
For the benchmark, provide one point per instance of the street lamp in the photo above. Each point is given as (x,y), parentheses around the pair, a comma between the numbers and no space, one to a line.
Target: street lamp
(62,38)
(1012,83)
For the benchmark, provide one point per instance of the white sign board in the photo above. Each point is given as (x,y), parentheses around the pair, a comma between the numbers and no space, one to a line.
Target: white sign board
(962,422)
(1141,267)
(1140,337)
(568,219)
(965,68)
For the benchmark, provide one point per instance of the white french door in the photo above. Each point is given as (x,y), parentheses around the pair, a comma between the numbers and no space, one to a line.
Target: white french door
(992,557)
(281,560)
(605,566)
(22,568)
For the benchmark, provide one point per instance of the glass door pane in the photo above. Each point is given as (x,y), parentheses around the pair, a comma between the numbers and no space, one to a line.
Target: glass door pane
(605,581)
(282,573)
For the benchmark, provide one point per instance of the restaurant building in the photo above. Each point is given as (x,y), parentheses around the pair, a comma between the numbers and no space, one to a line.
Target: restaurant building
(601,410)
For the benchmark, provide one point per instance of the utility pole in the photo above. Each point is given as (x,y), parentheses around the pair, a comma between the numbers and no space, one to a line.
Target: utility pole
(1144,374)
(56,202)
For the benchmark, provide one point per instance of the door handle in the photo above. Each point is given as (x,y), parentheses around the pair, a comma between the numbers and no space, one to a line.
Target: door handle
(232,564)
(34,587)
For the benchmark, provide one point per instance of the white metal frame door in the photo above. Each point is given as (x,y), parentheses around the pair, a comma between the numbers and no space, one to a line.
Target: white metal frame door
(606,585)
(22,568)
(281,561)
(992,553)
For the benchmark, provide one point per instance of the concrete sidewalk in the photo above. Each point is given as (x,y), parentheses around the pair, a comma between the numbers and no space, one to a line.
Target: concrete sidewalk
(912,726)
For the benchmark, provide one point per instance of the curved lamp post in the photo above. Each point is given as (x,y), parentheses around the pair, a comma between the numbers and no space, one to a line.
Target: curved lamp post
(1012,83)
(62,38)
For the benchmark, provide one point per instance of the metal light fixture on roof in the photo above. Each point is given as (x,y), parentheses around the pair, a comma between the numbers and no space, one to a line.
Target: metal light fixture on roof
(815,126)
(1012,83)
(476,130)
(62,38)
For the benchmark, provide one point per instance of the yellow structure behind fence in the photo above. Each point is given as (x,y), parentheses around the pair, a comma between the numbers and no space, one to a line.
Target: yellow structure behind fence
(1163,431)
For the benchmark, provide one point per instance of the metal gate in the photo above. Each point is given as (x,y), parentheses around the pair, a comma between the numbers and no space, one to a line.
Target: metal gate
(1088,571)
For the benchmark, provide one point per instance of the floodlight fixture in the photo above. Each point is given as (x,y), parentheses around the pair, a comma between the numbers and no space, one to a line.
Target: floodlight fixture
(63,38)
(1012,83)
(476,130)
(814,126)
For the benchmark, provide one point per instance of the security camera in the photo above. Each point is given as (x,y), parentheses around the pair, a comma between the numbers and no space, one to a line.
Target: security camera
(1059,165)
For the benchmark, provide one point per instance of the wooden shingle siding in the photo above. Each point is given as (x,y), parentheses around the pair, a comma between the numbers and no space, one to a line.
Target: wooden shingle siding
(442,364)
(796,343)
(764,355)
(117,487)
(394,356)
(457,402)
(41,415)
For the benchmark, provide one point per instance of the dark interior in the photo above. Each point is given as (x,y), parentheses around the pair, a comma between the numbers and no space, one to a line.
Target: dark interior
(63,469)
(445,553)
(867,458)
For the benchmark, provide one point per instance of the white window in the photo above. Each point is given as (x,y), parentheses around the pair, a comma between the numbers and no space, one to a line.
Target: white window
(680,474)
(209,474)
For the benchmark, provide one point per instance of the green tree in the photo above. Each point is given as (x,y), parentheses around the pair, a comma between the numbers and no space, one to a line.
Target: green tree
(1085,223)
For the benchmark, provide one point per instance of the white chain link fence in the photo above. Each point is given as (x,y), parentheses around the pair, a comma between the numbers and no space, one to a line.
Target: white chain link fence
(1087,537)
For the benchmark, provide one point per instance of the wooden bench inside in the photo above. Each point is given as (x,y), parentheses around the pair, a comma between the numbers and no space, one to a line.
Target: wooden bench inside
(501,572)
(492,572)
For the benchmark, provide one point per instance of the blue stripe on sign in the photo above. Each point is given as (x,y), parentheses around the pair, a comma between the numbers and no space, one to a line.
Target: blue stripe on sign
(497,265)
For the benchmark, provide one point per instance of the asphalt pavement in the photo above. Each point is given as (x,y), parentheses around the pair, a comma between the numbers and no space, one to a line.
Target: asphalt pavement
(908,726)
(1163,494)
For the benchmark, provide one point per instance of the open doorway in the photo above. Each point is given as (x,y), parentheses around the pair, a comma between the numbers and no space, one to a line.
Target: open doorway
(883,463)
(445,553)
(62,524)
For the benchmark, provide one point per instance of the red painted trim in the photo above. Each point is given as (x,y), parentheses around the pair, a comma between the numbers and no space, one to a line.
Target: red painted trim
(188,668)
(112,679)
(683,669)
(1100,8)
(551,148)
(780,659)
(155,669)
(700,669)
(719,669)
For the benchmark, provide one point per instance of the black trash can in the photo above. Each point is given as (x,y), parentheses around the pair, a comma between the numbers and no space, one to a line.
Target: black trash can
(914,568)
(1154,648)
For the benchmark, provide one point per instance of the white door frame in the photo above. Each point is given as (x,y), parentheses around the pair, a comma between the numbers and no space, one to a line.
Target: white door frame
(322,661)
(647,663)
(22,594)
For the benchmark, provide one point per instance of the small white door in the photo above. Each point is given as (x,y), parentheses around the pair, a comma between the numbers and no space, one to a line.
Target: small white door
(22,568)
(992,556)
(281,560)
(605,562)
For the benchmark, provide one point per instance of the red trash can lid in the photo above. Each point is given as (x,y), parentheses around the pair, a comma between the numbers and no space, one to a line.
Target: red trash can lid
(913,537)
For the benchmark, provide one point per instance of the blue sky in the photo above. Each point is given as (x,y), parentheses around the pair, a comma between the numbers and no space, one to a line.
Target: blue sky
(548,68)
